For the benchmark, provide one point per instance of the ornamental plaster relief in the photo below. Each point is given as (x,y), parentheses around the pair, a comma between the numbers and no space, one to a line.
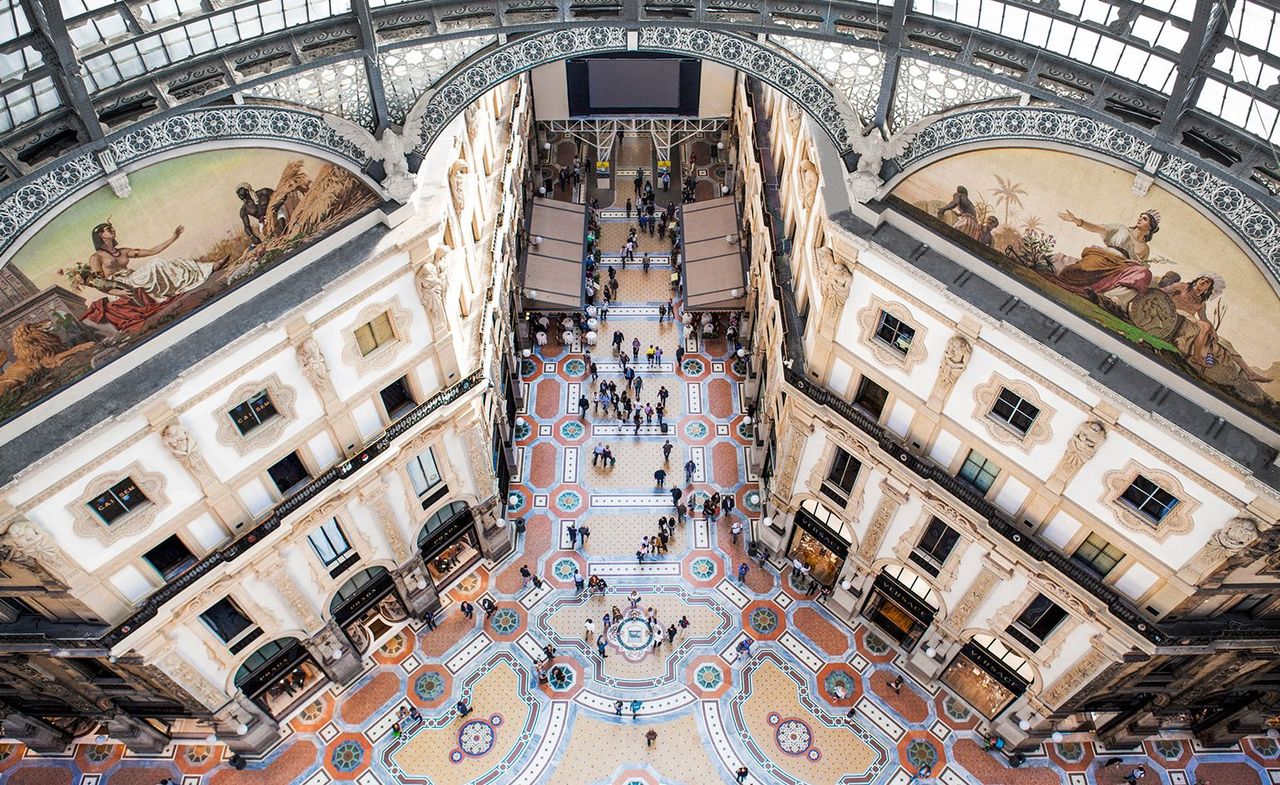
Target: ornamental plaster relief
(87,524)
(282,398)
(984,398)
(382,356)
(869,319)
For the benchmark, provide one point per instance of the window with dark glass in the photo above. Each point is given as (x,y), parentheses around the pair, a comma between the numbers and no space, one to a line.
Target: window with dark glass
(1149,499)
(253,412)
(423,473)
(979,471)
(1040,618)
(330,543)
(374,333)
(1014,411)
(895,333)
(288,472)
(840,479)
(94,670)
(871,397)
(935,546)
(170,558)
(1250,603)
(396,397)
(226,620)
(121,498)
(1098,555)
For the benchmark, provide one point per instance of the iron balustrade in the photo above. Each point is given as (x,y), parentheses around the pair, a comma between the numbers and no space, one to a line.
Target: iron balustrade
(92,636)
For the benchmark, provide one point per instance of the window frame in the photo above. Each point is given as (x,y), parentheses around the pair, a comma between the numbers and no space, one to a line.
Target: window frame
(240,634)
(257,420)
(926,558)
(1050,609)
(194,557)
(328,531)
(435,464)
(833,489)
(983,468)
(125,509)
(1015,410)
(1091,562)
(1140,508)
(897,332)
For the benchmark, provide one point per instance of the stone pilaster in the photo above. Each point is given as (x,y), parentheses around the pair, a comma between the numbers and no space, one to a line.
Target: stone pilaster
(891,499)
(185,675)
(137,735)
(332,640)
(986,580)
(311,359)
(1098,657)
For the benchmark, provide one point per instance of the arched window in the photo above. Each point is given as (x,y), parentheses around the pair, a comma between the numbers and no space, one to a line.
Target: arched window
(1005,656)
(914,582)
(263,655)
(353,586)
(440,518)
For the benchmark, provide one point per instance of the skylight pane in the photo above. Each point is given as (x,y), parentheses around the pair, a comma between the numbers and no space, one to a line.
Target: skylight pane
(201,36)
(1172,38)
(1235,107)
(1108,54)
(46,93)
(1157,73)
(84,35)
(111,27)
(176,44)
(992,16)
(224,29)
(1255,25)
(1015,22)
(1131,63)
(1037,30)
(1262,119)
(1097,11)
(1211,96)
(249,22)
(1071,7)
(102,70)
(1184,9)
(161,10)
(22,107)
(1147,28)
(1061,34)
(129,62)
(968,12)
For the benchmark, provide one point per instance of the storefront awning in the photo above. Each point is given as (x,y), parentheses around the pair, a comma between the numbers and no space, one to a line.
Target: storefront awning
(714,268)
(553,268)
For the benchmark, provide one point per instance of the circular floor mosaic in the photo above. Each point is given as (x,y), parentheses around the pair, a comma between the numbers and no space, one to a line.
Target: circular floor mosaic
(572,430)
(429,686)
(632,636)
(476,738)
(693,366)
(575,367)
(794,737)
(505,621)
(695,429)
(763,620)
(703,569)
(347,756)
(569,500)
(708,677)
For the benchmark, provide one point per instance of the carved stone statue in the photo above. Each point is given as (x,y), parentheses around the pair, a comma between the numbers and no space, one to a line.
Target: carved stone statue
(1082,447)
(313,365)
(808,183)
(1233,538)
(457,181)
(794,115)
(873,148)
(25,544)
(432,281)
(389,147)
(184,448)
(954,359)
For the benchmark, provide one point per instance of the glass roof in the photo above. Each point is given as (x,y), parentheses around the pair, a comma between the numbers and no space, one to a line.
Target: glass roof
(1136,43)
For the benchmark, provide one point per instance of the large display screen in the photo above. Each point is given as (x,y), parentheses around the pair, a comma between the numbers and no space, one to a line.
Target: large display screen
(625,84)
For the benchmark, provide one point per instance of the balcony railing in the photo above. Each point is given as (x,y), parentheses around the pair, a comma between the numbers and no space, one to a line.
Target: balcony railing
(92,637)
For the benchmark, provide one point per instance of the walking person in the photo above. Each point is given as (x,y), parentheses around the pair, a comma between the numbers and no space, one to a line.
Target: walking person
(589,630)
(525,575)
(430,620)
(679,357)
(467,609)
(676,493)
(735,530)
(572,531)
(1137,773)
(583,533)
(742,572)
(741,775)
(689,468)
(583,405)
(666,451)
(635,707)
(601,646)
(635,349)
(660,477)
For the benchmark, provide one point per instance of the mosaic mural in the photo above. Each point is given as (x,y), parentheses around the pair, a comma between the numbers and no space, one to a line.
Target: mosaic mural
(1151,269)
(107,273)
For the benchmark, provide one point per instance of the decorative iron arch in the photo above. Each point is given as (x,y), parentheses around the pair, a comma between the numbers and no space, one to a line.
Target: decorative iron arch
(467,82)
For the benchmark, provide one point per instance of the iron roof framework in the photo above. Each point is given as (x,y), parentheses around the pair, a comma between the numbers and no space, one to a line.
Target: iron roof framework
(1198,76)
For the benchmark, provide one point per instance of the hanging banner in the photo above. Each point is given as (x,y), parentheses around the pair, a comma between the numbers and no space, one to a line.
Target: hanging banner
(664,167)
(602,168)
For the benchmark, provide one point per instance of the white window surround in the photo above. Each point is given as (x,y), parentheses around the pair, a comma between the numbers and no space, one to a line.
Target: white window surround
(984,397)
(87,524)
(869,320)
(382,356)
(282,398)
(1179,520)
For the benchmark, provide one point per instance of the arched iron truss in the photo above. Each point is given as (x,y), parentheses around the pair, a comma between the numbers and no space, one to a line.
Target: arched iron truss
(79,98)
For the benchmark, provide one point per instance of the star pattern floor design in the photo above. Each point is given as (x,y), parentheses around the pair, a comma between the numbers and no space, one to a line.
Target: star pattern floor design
(774,711)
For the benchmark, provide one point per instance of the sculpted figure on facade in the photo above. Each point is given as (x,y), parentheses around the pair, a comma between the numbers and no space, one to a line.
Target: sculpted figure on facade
(1083,446)
(188,679)
(183,446)
(808,183)
(25,544)
(432,282)
(457,184)
(313,365)
(954,359)
(1233,538)
(836,278)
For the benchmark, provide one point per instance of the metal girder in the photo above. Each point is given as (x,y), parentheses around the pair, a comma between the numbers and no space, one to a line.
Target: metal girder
(1208,27)
(47,15)
(369,54)
(926,38)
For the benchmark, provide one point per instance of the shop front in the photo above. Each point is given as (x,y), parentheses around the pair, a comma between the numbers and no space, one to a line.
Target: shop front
(901,604)
(279,676)
(819,542)
(368,609)
(988,675)
(449,545)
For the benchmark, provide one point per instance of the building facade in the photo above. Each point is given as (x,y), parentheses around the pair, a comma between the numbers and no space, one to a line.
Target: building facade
(207,559)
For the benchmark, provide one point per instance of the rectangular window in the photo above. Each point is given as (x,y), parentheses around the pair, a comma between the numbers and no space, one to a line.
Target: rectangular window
(253,412)
(844,472)
(1150,499)
(94,670)
(1017,413)
(423,472)
(121,498)
(1098,555)
(896,334)
(935,546)
(979,471)
(375,333)
(871,397)
(288,472)
(1034,625)
(170,558)
(396,398)
(226,620)
(330,543)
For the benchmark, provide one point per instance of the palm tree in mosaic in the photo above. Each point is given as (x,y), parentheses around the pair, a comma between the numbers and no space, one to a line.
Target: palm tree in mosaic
(1007,195)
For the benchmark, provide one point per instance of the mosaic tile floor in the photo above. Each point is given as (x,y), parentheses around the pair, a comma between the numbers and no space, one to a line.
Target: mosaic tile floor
(774,711)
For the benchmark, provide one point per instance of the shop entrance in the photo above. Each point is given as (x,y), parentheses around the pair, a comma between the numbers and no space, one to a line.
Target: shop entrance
(988,675)
(816,545)
(449,545)
(368,609)
(902,604)
(280,676)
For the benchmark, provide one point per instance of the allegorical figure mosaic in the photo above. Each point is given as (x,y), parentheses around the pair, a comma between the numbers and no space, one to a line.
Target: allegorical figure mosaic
(106,274)
(1152,268)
